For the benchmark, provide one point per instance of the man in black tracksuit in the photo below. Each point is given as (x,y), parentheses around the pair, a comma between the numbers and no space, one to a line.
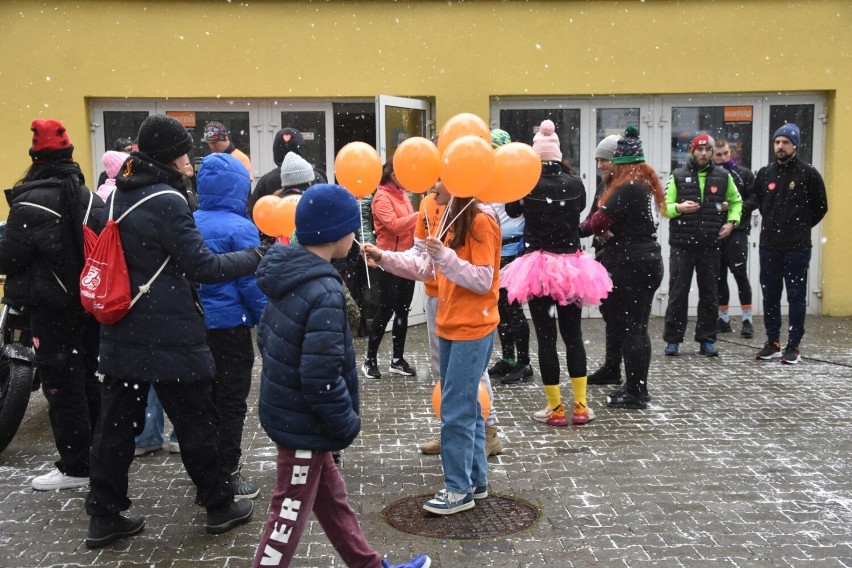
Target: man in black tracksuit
(695,197)
(790,195)
(734,249)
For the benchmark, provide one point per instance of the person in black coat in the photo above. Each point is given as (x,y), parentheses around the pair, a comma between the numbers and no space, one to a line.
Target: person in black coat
(42,256)
(161,342)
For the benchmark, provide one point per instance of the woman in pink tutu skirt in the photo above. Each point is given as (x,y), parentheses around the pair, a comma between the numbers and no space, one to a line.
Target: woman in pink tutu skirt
(555,277)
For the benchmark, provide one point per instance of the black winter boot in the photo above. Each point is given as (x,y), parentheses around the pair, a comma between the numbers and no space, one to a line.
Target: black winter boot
(104,529)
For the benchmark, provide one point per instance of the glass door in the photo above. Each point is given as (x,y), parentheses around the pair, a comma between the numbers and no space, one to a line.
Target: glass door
(398,118)
(733,120)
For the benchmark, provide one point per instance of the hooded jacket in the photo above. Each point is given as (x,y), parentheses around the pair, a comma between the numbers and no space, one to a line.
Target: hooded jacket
(163,338)
(309,385)
(223,186)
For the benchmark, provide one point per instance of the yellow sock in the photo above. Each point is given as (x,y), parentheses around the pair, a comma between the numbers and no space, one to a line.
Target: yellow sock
(554,398)
(578,385)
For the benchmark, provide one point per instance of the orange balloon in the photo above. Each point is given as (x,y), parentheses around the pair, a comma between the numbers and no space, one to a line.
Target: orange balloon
(467,167)
(264,214)
(516,171)
(484,400)
(416,164)
(286,216)
(464,124)
(358,168)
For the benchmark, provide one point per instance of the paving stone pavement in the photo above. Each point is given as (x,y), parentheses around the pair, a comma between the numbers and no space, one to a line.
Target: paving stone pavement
(735,463)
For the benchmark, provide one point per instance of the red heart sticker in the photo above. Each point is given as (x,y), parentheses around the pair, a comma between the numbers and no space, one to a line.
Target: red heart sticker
(286,137)
(713,189)
(771,186)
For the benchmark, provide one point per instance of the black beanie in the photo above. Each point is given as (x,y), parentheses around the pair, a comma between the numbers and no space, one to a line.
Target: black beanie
(163,138)
(287,140)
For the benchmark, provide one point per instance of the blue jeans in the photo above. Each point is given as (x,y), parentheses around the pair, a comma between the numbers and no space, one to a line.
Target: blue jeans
(152,435)
(462,426)
(779,269)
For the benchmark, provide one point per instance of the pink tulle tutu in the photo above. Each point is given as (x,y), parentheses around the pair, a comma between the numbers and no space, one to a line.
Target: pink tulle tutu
(567,278)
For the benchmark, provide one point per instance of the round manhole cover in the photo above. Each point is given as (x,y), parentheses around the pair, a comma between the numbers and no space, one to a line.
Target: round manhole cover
(492,517)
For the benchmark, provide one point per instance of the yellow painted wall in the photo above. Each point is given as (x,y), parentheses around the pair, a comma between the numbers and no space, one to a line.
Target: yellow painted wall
(55,55)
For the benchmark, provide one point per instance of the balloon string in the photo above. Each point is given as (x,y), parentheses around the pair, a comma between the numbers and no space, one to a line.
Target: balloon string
(445,215)
(450,224)
(366,265)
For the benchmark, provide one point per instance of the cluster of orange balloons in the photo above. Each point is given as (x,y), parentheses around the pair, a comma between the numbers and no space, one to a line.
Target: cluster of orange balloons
(484,400)
(276,216)
(466,164)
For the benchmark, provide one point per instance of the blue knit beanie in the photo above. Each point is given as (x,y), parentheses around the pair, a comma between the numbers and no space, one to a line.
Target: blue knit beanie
(325,214)
(790,131)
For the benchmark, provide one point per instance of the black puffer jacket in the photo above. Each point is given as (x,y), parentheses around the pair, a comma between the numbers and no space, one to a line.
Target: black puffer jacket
(163,337)
(43,242)
(309,385)
(552,211)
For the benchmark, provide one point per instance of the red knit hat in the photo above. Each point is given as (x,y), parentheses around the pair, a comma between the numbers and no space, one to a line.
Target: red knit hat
(701,140)
(50,141)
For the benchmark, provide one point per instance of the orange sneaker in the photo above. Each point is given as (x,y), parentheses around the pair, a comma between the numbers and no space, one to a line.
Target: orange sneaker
(557,417)
(582,414)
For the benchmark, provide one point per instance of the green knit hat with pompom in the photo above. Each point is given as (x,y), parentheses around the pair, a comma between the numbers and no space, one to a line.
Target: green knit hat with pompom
(629,148)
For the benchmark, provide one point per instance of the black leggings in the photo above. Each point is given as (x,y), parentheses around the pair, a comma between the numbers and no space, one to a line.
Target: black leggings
(545,312)
(395,294)
(513,329)
(629,308)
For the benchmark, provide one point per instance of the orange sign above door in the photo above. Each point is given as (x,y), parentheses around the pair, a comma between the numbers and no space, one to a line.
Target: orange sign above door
(738,114)
(187,117)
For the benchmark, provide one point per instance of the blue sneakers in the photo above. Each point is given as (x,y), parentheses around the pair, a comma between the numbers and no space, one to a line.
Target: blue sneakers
(448,503)
(708,349)
(672,349)
(480,492)
(418,562)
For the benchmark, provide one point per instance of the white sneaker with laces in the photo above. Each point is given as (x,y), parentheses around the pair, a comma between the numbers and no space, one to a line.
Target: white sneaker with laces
(542,415)
(58,480)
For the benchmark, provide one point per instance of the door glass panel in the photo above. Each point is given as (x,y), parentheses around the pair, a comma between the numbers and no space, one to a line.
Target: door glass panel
(402,123)
(733,123)
(522,124)
(354,122)
(800,115)
(311,123)
(122,124)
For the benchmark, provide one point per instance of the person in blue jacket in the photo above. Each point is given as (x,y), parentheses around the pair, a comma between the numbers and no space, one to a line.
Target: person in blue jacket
(231,308)
(309,403)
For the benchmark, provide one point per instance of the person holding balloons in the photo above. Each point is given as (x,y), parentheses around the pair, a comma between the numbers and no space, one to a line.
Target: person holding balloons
(463,255)
(555,277)
(393,221)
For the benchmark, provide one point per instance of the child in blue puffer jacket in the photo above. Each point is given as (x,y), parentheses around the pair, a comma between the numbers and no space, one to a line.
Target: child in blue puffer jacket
(309,402)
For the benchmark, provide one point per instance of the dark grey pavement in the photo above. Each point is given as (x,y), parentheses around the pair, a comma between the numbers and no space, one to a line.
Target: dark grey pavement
(735,463)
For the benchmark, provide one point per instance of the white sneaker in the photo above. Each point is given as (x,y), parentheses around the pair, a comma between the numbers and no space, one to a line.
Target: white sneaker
(542,415)
(58,480)
(174,447)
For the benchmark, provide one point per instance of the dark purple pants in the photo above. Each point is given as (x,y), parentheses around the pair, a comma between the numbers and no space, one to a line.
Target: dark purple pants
(310,481)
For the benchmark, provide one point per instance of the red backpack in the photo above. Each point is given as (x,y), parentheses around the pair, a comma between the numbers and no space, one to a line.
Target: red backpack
(104,281)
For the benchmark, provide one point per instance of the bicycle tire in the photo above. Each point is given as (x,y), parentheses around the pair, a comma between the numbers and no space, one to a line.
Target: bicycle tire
(15,388)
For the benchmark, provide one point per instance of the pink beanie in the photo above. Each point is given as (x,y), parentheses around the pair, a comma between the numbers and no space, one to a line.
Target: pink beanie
(112,161)
(546,142)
